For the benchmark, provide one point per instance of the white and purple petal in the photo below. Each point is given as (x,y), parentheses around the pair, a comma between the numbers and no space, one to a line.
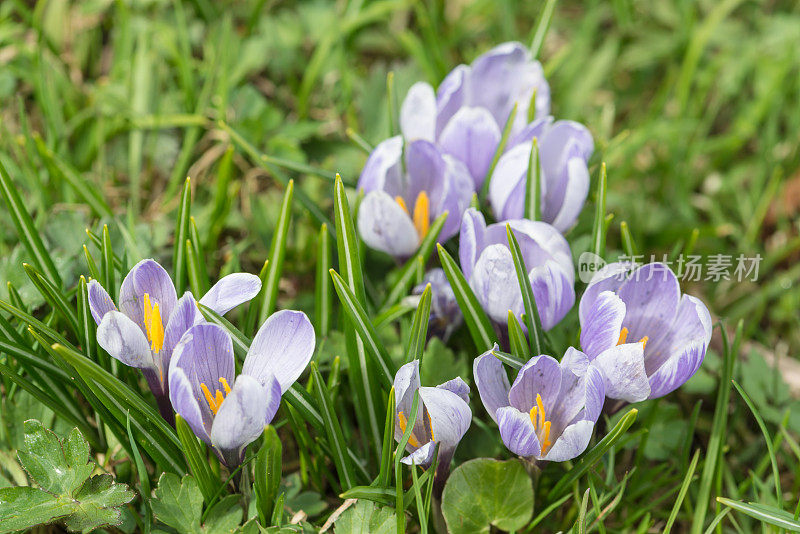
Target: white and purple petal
(282,347)
(122,339)
(231,291)
(517,432)
(100,301)
(492,382)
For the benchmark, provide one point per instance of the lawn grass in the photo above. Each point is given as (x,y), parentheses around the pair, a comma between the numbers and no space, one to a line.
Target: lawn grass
(106,107)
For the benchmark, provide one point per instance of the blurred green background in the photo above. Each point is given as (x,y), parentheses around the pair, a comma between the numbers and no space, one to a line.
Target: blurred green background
(106,106)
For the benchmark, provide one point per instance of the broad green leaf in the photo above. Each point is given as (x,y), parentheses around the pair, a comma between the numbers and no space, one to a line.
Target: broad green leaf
(178,502)
(62,470)
(366,517)
(482,493)
(57,467)
(478,323)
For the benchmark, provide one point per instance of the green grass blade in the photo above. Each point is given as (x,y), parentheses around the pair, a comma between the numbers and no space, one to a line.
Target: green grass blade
(197,459)
(53,296)
(628,244)
(532,321)
(154,434)
(716,441)
(144,477)
(762,512)
(533,185)
(770,448)
(322,291)
(181,235)
(26,231)
(267,474)
(363,326)
(362,372)
(687,480)
(478,323)
(333,430)
(419,327)
(509,359)
(107,263)
(406,274)
(388,440)
(501,147)
(541,27)
(595,455)
(599,226)
(516,337)
(277,251)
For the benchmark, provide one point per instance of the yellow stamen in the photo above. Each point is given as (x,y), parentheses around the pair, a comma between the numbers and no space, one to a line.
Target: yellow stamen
(402,203)
(540,424)
(215,401)
(156,330)
(412,439)
(430,425)
(542,415)
(153,326)
(225,385)
(422,214)
(623,336)
(148,314)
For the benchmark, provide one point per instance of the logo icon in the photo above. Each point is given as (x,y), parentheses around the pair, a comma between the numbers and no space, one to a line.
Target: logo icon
(589,264)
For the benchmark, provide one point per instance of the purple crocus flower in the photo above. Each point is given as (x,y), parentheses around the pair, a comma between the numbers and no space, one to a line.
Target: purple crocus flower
(641,331)
(445,314)
(488,265)
(564,150)
(443,417)
(466,116)
(550,410)
(229,412)
(403,198)
(151,319)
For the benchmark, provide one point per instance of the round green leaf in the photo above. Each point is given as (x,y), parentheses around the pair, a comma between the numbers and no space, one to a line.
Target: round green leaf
(485,492)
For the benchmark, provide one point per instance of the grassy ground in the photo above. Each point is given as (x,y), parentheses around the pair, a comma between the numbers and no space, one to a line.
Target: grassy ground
(106,107)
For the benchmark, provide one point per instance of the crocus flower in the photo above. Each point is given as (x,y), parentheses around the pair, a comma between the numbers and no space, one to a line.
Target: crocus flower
(550,410)
(488,265)
(404,197)
(445,314)
(564,150)
(150,320)
(443,417)
(641,331)
(466,116)
(229,412)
